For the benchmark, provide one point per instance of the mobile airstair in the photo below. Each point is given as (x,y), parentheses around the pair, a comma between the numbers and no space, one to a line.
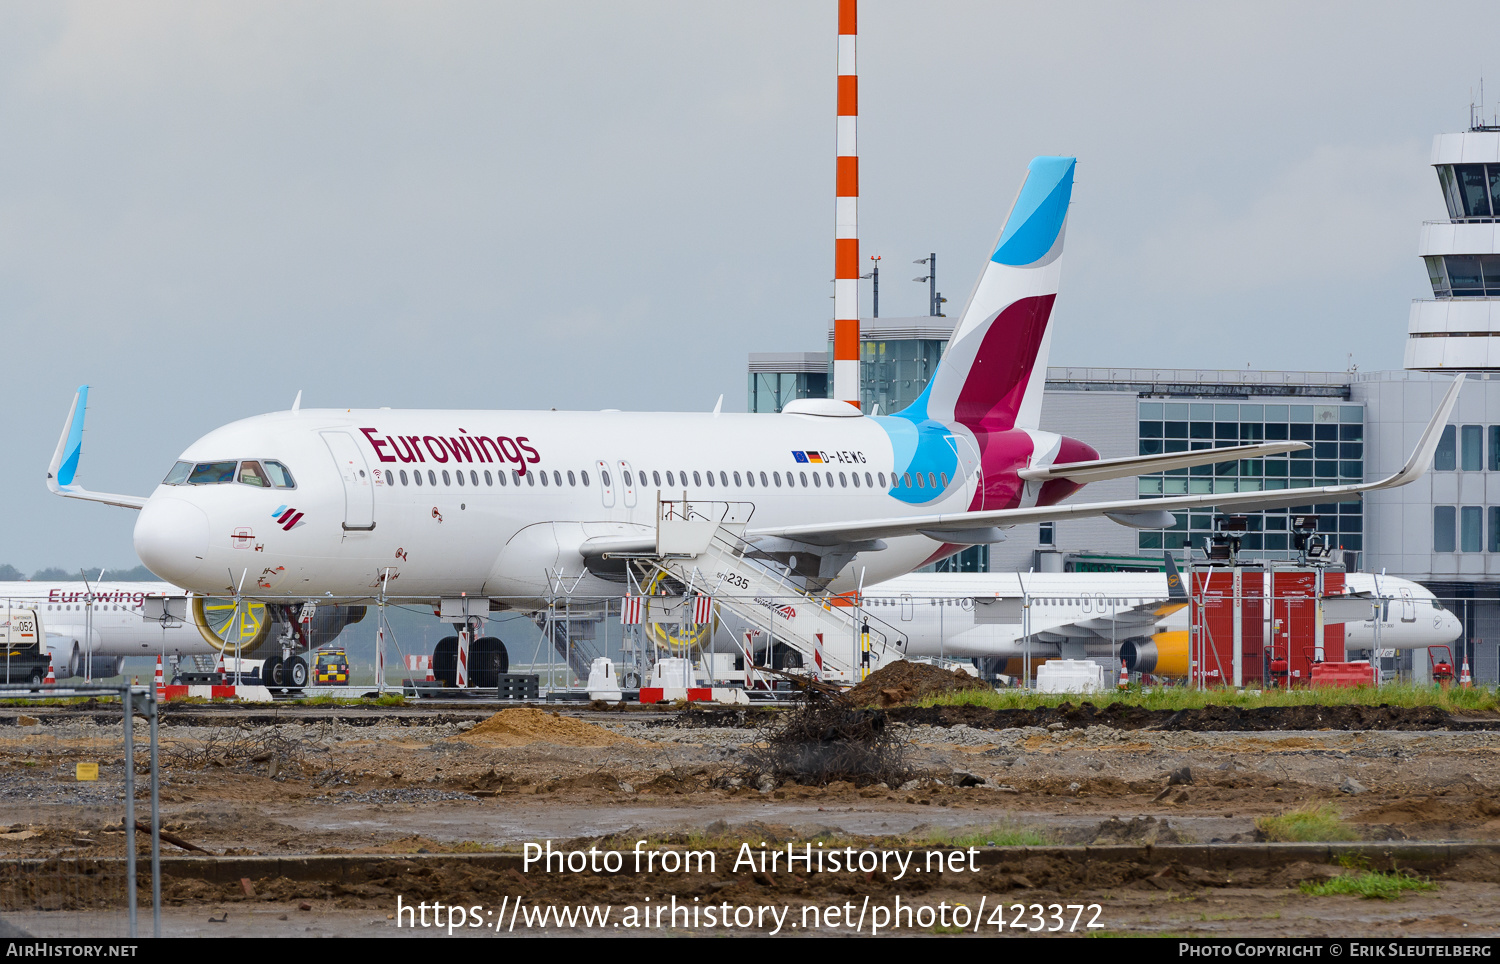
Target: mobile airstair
(702,546)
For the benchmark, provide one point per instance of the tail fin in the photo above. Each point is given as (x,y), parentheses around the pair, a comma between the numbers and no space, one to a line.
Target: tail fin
(1175,589)
(991,376)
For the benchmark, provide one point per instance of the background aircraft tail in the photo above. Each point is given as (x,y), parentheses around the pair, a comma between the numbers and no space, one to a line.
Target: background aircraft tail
(991,375)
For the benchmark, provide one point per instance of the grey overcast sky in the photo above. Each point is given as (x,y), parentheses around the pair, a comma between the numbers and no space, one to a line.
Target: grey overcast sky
(207,206)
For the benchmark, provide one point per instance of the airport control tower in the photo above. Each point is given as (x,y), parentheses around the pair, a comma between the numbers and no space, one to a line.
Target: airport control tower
(1459,328)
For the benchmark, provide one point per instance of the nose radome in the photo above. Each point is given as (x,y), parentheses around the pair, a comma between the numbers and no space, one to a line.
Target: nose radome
(171,538)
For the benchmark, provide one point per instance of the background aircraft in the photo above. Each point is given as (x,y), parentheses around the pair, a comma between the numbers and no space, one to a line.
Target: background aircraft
(1129,615)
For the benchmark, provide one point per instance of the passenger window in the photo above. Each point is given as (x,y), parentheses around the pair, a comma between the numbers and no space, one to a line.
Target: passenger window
(625,474)
(531,478)
(655,477)
(542,474)
(763,482)
(723,478)
(403,477)
(585,476)
(697,479)
(572,479)
(417,477)
(852,475)
(459,474)
(710,477)
(556,477)
(432,477)
(474,476)
(604,478)
(669,478)
(817,480)
(389,478)
(446,480)
(500,477)
(488,479)
(843,483)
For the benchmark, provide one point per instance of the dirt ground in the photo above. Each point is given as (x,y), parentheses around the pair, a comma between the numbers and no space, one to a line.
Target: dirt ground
(405,783)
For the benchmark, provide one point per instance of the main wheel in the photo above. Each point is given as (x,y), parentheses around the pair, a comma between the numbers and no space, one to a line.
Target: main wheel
(445,661)
(294,672)
(488,660)
(271,672)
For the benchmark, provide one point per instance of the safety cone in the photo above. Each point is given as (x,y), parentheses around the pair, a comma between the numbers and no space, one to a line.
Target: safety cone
(51,679)
(1465,681)
(1124,676)
(161,683)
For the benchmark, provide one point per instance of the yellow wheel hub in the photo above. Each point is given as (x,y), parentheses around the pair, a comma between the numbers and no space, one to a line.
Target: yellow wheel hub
(223,625)
(676,638)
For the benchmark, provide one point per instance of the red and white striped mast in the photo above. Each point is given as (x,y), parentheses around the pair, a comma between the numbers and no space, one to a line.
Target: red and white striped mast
(845,219)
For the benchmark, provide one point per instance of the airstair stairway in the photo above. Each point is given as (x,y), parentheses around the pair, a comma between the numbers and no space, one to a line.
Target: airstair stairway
(702,546)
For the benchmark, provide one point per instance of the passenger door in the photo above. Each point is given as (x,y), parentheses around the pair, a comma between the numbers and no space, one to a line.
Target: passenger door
(359,490)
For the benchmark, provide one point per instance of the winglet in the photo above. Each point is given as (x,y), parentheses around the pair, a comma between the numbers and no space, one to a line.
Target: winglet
(64,466)
(1421,457)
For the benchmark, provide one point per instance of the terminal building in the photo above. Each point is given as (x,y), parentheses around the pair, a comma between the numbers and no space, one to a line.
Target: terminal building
(1442,530)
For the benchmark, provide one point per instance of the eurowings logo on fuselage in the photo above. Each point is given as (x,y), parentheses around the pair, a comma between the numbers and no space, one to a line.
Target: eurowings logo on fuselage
(462,447)
(286,517)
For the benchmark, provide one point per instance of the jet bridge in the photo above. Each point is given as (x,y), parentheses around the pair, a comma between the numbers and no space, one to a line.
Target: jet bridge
(701,547)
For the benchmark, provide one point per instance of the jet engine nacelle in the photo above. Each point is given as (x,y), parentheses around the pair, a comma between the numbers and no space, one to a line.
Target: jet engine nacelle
(1164,654)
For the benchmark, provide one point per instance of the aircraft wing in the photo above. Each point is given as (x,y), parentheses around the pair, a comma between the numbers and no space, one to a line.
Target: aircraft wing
(1102,469)
(64,466)
(1122,624)
(973,528)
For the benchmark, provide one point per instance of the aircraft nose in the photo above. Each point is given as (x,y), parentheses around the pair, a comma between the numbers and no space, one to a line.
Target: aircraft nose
(171,538)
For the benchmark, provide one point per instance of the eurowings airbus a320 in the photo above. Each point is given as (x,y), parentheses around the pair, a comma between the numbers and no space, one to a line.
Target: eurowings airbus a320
(303,503)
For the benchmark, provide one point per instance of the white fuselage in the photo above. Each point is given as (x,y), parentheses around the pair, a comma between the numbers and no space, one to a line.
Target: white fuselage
(505,520)
(107,626)
(980,615)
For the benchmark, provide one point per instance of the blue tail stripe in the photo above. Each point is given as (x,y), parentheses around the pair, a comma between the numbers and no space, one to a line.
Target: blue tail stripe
(1035,221)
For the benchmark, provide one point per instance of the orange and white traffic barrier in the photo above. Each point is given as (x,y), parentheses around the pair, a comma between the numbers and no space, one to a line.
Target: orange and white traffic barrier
(160,680)
(51,679)
(1124,676)
(420,664)
(1465,681)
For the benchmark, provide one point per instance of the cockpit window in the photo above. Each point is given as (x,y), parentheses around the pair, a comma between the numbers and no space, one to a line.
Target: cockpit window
(211,473)
(261,473)
(251,474)
(280,477)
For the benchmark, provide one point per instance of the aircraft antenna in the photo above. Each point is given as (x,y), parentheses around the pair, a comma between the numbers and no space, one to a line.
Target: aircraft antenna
(297,402)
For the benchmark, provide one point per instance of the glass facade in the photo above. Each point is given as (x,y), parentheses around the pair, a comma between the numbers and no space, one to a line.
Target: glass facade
(770,391)
(894,372)
(1464,275)
(1472,191)
(1334,432)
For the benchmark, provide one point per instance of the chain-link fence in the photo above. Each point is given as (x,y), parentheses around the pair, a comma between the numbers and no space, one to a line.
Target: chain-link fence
(79,852)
